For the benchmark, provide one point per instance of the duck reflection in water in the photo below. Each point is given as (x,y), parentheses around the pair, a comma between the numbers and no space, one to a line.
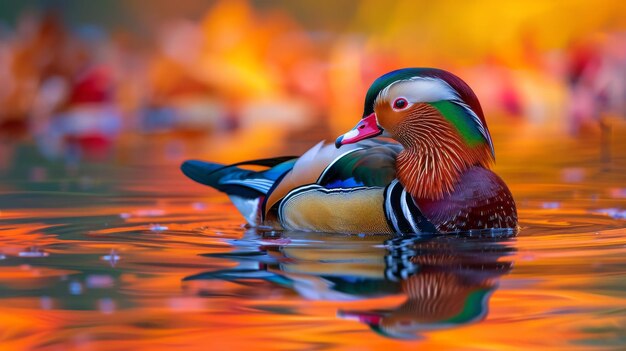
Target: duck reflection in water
(447,280)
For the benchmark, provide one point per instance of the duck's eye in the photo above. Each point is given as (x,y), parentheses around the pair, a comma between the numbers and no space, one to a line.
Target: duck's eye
(400,104)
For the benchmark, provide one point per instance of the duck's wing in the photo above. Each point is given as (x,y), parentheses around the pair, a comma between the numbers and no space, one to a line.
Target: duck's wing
(370,163)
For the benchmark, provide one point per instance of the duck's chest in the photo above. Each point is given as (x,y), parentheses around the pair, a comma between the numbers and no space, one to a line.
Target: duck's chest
(480,201)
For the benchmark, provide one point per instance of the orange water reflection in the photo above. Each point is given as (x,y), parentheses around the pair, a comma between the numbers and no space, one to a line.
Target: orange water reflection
(110,266)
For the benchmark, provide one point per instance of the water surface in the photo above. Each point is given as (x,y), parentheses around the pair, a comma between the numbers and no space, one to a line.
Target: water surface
(130,255)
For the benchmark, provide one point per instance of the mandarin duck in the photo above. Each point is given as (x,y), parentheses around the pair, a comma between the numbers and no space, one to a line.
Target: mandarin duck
(433,177)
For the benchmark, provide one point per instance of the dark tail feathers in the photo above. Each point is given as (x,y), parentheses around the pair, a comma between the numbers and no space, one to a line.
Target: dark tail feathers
(234,180)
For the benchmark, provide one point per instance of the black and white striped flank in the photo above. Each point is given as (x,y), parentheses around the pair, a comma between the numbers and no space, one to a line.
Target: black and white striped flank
(403,215)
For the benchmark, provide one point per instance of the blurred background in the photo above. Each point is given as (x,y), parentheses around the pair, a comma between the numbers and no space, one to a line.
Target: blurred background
(100,102)
(235,79)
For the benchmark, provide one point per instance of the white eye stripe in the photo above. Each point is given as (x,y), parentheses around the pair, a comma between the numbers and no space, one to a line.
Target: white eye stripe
(420,89)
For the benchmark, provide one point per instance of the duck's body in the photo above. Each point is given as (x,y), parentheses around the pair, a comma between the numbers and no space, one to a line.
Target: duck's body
(435,180)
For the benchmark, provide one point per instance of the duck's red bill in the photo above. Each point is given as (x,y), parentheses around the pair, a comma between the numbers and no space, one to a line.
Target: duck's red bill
(366,128)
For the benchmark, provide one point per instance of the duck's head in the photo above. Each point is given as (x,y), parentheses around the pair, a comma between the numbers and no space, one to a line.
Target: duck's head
(436,117)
